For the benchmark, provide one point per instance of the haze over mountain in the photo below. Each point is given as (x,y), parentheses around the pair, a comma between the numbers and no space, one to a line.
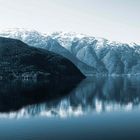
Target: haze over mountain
(90,54)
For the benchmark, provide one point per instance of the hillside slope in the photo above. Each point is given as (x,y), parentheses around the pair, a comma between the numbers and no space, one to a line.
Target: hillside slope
(18,60)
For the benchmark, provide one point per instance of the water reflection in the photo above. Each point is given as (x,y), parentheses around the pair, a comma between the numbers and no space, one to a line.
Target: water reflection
(91,95)
(15,95)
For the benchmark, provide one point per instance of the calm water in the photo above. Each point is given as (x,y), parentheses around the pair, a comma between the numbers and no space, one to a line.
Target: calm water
(97,108)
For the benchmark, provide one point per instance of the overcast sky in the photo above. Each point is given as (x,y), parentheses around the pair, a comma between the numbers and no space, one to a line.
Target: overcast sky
(112,19)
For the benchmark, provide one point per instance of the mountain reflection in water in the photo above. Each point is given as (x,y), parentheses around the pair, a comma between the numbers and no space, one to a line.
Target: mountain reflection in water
(92,95)
(15,95)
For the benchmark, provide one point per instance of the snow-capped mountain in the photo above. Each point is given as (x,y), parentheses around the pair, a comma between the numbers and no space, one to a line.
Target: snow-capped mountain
(39,40)
(89,54)
(107,56)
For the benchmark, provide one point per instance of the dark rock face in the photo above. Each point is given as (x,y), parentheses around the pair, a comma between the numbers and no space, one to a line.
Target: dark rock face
(19,61)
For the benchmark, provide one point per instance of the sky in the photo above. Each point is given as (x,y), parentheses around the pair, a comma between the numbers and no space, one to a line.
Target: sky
(117,20)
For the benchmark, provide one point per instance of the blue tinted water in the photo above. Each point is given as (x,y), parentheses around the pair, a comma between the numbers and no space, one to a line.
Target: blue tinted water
(98,108)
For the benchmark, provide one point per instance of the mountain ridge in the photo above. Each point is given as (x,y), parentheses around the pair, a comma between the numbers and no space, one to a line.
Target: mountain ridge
(98,55)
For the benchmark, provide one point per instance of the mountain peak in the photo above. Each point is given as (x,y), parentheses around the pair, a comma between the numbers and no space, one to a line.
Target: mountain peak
(88,53)
(71,36)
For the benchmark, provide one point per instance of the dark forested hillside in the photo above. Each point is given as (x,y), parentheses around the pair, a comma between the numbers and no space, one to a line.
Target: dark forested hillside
(19,61)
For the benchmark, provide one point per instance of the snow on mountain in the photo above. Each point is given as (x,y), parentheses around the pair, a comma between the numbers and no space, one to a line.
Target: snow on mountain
(39,40)
(89,54)
(107,56)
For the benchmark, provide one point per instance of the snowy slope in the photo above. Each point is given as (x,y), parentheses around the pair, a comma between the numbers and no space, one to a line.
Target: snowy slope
(39,40)
(105,55)
(89,54)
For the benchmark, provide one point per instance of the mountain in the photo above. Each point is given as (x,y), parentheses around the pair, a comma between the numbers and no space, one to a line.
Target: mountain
(90,54)
(39,40)
(19,61)
(106,56)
